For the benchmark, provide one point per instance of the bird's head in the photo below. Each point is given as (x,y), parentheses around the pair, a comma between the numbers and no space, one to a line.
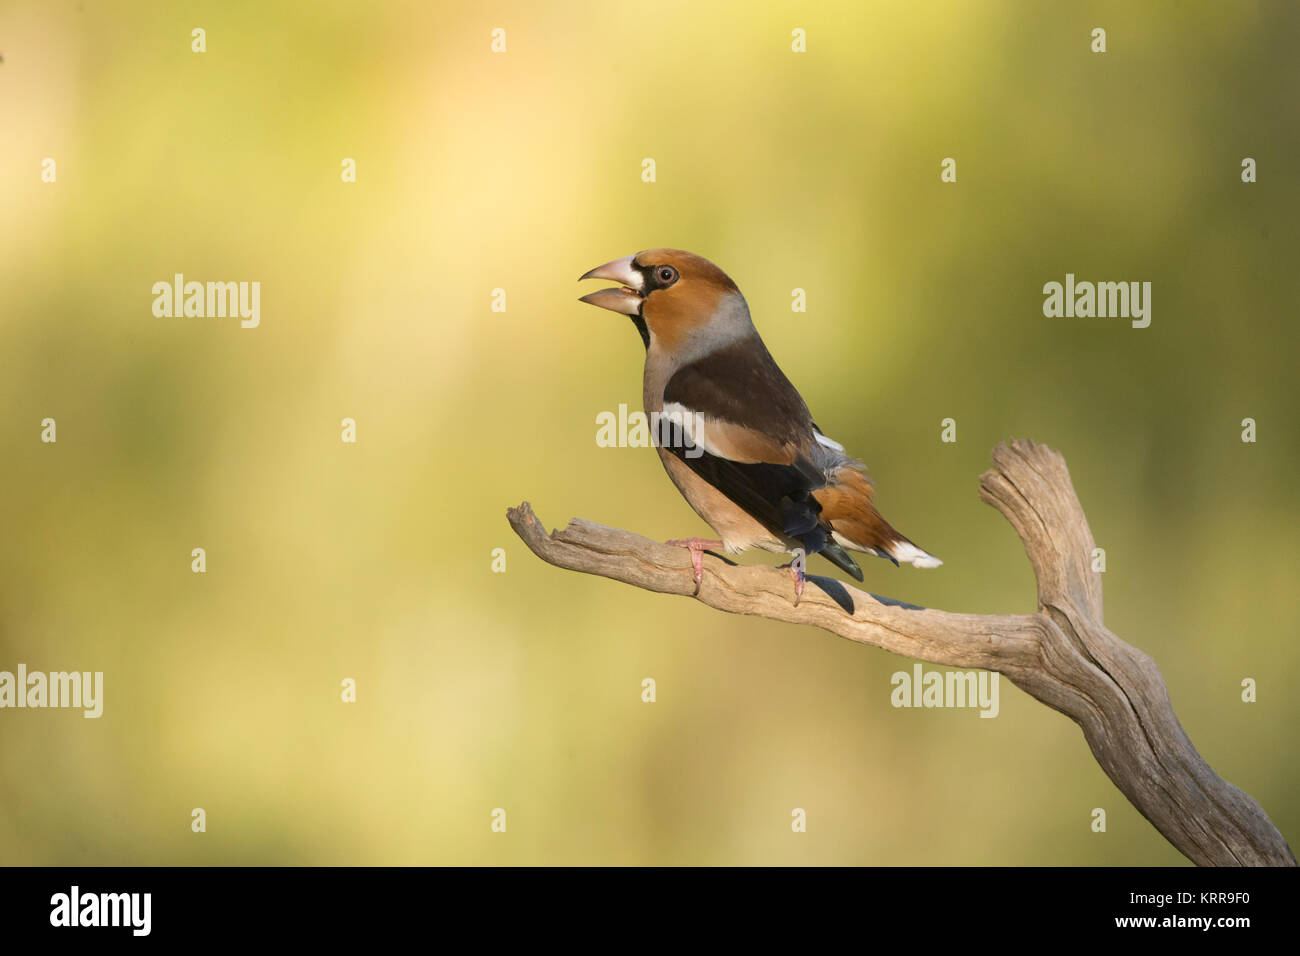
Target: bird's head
(668,292)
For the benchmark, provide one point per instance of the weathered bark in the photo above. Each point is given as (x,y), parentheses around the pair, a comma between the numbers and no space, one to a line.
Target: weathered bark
(1063,655)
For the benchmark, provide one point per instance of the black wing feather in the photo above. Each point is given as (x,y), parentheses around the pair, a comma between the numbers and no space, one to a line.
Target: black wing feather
(778,496)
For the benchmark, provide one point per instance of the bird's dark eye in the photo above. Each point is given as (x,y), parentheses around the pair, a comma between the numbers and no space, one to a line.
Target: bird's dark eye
(666,275)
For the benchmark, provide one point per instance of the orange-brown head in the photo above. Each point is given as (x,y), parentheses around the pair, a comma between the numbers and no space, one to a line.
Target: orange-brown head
(672,292)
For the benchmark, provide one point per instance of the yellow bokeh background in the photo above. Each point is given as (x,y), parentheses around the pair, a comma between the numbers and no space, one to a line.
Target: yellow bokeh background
(521,170)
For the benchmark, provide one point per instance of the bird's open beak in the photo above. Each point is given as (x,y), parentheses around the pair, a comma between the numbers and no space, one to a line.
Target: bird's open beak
(626,300)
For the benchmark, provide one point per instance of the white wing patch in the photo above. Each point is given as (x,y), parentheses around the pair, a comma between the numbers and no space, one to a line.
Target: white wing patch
(691,424)
(827,442)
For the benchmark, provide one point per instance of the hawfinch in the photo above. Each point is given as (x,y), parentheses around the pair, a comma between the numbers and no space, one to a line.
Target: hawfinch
(734,435)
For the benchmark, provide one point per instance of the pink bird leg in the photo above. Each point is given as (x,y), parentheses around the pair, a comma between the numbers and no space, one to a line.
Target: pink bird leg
(697,546)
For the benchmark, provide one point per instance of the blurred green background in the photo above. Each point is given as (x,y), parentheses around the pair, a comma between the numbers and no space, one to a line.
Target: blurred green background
(520,171)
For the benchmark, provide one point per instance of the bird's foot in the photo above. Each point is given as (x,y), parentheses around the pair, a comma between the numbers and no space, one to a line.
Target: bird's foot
(795,568)
(697,546)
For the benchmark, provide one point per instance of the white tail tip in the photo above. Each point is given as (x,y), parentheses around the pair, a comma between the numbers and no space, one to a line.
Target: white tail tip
(904,552)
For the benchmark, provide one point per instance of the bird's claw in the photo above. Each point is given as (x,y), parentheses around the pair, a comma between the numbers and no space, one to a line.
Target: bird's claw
(697,548)
(795,568)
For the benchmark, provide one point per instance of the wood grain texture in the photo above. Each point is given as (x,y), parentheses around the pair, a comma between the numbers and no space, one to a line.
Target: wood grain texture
(1063,655)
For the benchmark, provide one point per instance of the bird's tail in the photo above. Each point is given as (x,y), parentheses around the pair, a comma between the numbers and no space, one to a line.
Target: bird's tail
(856,524)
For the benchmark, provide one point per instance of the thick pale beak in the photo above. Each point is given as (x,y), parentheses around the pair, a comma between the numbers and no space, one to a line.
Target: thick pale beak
(626,300)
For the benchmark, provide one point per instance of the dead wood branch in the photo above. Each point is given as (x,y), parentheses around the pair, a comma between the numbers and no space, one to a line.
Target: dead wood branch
(1063,655)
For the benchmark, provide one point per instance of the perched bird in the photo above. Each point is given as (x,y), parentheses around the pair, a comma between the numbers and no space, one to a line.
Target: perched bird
(749,458)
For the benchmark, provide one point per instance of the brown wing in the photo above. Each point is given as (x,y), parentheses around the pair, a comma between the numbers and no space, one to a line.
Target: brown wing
(751,437)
